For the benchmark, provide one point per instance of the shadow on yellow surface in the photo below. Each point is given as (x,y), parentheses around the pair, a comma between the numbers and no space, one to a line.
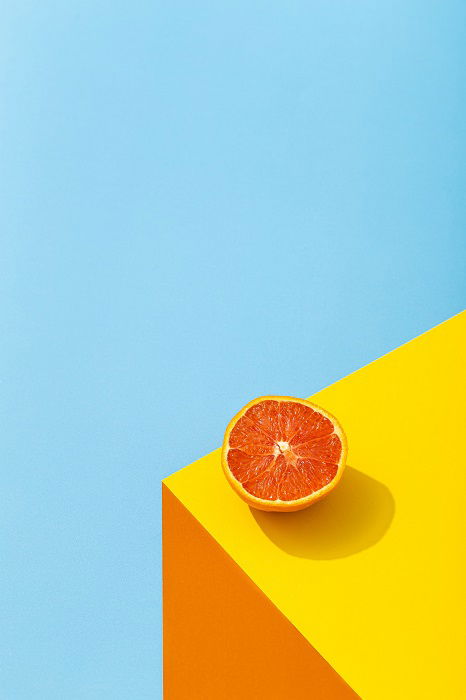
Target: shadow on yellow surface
(353,517)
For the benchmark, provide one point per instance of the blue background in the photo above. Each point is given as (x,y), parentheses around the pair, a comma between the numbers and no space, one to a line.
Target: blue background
(200,203)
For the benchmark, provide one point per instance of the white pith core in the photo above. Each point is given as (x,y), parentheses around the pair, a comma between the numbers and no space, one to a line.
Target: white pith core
(281,447)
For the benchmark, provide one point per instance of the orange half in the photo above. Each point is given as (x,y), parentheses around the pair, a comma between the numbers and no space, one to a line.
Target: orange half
(281,453)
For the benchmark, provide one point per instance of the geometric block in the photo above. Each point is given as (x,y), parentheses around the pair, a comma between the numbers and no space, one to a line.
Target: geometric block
(372,577)
(223,638)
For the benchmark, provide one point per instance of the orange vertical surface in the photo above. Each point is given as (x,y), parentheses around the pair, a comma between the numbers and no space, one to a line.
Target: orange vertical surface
(223,638)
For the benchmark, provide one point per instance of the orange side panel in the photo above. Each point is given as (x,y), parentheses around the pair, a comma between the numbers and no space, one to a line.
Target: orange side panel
(223,638)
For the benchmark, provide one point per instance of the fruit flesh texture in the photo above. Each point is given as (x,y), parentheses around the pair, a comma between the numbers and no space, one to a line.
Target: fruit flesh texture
(283,450)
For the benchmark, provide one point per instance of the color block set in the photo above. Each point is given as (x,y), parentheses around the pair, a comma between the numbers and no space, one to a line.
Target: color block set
(359,595)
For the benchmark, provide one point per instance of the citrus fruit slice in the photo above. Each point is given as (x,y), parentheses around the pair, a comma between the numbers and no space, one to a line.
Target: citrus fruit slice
(282,453)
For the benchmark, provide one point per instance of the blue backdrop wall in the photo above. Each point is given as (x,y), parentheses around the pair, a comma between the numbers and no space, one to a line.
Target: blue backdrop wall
(200,203)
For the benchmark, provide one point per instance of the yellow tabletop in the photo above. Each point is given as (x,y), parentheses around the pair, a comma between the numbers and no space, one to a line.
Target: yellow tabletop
(373,576)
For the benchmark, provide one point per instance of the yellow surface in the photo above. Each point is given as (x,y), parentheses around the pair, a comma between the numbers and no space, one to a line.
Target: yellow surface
(373,575)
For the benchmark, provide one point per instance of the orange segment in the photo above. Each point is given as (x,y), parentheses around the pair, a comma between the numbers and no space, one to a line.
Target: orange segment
(282,453)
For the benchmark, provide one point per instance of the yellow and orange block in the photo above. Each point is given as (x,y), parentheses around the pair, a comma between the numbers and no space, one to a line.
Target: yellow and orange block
(362,594)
